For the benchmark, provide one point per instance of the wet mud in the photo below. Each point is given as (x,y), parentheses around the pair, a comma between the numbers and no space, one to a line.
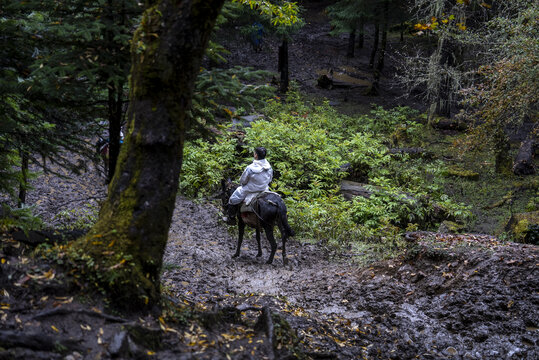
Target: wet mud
(449,296)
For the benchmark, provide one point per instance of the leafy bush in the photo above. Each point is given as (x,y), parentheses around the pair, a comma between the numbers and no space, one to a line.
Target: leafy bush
(308,146)
(205,164)
(77,219)
(22,218)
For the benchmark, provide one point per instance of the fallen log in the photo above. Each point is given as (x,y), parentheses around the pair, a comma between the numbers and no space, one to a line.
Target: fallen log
(37,237)
(12,339)
(449,124)
(524,161)
(330,79)
(414,152)
(351,189)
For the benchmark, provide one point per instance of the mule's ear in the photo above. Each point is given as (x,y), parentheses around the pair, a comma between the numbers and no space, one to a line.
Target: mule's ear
(223,185)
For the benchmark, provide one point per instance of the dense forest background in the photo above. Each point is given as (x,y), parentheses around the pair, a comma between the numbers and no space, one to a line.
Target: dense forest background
(385,122)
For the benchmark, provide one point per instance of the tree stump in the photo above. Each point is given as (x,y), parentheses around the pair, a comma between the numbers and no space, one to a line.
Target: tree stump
(523,164)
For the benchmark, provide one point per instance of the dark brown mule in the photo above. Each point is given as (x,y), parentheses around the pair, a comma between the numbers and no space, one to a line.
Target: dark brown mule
(268,209)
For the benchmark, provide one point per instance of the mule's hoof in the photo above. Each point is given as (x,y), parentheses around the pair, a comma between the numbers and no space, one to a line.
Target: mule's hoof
(285,261)
(269,262)
(259,254)
(235,255)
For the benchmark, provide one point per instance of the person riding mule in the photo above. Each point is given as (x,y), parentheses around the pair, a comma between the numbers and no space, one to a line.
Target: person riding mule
(264,209)
(255,179)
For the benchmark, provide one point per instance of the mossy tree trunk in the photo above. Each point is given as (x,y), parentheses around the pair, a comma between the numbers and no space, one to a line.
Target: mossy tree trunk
(126,246)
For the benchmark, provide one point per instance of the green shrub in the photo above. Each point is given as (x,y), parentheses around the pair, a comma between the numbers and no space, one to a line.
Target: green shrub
(307,147)
(22,218)
(205,164)
(77,219)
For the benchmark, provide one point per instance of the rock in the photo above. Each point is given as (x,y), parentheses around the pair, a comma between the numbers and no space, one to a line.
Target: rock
(465,174)
(450,227)
(524,227)
(119,346)
(143,337)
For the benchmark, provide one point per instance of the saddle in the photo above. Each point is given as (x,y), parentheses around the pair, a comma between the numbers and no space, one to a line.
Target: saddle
(249,207)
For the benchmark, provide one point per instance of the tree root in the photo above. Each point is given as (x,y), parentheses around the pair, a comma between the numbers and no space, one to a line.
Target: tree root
(61,311)
(265,322)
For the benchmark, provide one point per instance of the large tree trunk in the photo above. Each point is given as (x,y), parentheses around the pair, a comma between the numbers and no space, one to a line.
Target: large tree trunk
(127,243)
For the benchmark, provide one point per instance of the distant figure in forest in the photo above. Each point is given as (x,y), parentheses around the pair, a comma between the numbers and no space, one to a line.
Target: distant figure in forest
(257,35)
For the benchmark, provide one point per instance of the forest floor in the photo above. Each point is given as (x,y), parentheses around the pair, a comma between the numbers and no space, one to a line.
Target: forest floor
(463,296)
(448,296)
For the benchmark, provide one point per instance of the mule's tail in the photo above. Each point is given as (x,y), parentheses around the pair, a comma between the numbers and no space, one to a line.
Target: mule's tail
(284,219)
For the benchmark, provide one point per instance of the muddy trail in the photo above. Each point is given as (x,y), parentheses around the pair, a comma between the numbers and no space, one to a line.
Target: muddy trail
(449,296)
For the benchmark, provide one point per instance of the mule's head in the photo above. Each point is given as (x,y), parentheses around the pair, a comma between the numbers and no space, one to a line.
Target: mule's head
(230,211)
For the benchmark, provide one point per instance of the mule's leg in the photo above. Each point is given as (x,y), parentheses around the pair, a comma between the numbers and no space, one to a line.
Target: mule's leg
(285,259)
(258,242)
(241,230)
(283,242)
(273,243)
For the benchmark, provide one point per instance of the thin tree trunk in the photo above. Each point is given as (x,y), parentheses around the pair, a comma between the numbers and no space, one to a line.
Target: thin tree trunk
(351,44)
(383,45)
(115,127)
(361,34)
(375,43)
(503,162)
(447,61)
(283,66)
(23,183)
(127,243)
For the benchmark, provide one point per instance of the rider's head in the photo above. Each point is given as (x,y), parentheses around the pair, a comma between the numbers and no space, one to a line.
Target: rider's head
(260,153)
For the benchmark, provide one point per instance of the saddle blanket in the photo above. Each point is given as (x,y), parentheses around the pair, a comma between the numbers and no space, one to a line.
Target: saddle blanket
(247,204)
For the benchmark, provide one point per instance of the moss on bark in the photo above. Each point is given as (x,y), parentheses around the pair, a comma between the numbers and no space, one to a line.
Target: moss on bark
(123,252)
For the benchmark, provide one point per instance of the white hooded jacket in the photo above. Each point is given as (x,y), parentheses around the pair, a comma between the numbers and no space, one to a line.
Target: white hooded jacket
(255,178)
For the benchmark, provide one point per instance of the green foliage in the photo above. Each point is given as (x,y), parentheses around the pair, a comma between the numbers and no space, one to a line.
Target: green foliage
(205,164)
(307,147)
(217,90)
(76,219)
(345,15)
(281,13)
(22,218)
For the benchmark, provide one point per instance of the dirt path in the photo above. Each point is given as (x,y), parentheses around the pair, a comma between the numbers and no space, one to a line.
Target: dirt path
(451,296)
(454,296)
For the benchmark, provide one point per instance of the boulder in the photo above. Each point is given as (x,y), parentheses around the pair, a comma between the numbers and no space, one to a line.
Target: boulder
(524,227)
